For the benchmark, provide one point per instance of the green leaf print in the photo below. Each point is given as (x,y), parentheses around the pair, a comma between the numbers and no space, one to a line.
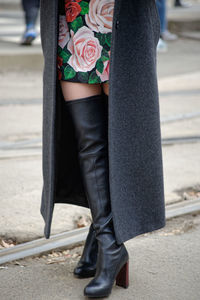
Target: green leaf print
(84,7)
(94,78)
(99,65)
(108,39)
(76,24)
(69,72)
(83,76)
(65,55)
(104,55)
(101,37)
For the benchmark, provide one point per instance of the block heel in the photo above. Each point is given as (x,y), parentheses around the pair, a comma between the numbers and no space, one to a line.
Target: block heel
(122,278)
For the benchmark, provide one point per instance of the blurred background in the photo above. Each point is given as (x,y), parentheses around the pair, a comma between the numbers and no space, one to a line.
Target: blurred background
(21,65)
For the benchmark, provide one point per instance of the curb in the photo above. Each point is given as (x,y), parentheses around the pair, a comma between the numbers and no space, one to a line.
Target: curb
(187,19)
(32,61)
(181,26)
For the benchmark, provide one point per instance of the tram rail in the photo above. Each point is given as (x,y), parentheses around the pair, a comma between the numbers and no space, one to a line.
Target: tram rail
(76,236)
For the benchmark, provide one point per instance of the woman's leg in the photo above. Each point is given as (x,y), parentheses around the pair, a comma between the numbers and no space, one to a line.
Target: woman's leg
(105,87)
(76,90)
(89,116)
(86,266)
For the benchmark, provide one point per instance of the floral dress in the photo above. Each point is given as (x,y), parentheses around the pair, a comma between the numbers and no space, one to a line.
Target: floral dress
(84,41)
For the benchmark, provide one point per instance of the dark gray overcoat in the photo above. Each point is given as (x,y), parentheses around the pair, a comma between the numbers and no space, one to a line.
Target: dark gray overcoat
(135,157)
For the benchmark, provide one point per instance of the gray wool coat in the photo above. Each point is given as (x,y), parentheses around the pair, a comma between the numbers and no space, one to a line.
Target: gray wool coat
(134,140)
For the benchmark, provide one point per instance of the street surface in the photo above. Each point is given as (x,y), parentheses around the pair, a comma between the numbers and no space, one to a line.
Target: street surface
(164,265)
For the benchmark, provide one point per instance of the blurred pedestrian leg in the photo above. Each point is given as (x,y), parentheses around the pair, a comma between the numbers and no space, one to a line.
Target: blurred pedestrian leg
(31,9)
(161,6)
(165,34)
(162,46)
(180,3)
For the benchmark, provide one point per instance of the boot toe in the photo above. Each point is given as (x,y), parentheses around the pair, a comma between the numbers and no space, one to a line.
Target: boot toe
(83,272)
(94,290)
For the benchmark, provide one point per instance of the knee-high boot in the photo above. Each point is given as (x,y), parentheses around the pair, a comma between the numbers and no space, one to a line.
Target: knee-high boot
(86,266)
(90,119)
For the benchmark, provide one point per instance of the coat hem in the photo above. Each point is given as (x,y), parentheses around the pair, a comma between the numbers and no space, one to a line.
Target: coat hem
(146,229)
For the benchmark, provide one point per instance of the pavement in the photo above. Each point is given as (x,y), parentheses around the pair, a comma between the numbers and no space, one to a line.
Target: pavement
(164,265)
(21,128)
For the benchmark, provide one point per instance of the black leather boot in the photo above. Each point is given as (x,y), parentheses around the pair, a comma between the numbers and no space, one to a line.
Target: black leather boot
(90,119)
(86,266)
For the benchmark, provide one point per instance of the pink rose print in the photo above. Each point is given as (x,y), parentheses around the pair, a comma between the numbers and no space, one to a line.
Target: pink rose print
(63,32)
(85,49)
(105,74)
(100,15)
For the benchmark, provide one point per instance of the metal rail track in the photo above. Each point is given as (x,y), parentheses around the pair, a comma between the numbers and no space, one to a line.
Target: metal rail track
(33,147)
(21,149)
(181,140)
(180,117)
(79,235)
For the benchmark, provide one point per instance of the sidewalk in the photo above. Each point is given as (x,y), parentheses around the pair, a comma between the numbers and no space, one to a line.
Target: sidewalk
(164,265)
